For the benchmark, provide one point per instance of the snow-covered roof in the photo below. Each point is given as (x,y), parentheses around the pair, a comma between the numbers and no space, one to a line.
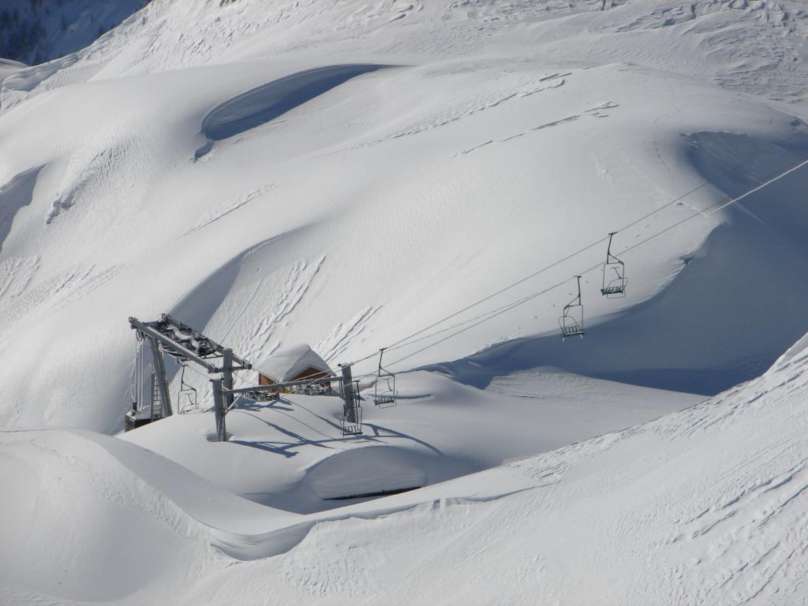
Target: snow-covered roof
(286,364)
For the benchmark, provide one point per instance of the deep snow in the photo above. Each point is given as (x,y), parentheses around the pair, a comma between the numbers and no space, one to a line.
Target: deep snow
(705,506)
(291,454)
(246,167)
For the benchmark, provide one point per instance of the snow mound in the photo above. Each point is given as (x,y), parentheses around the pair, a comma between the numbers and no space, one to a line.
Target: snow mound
(366,472)
(71,498)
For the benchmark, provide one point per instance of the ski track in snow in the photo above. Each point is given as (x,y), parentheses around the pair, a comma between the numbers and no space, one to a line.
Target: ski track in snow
(16,274)
(478,107)
(345,333)
(213,216)
(472,108)
(87,172)
(298,281)
(599,111)
(740,542)
(19,298)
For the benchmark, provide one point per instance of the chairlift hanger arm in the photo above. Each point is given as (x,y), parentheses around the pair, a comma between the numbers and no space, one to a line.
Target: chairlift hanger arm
(382,371)
(577,301)
(612,258)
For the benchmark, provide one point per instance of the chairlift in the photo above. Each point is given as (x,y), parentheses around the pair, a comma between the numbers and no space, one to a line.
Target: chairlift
(614,274)
(572,317)
(384,389)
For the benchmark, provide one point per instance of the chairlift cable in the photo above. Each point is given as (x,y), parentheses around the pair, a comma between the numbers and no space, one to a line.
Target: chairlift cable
(508,307)
(408,340)
(719,207)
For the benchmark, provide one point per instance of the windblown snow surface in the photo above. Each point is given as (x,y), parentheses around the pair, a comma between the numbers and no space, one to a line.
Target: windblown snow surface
(705,506)
(349,175)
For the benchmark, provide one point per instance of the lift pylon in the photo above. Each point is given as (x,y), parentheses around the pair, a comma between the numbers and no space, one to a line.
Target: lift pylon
(168,336)
(614,273)
(572,316)
(351,408)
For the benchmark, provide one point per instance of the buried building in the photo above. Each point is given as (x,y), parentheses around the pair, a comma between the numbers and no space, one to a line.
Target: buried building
(298,363)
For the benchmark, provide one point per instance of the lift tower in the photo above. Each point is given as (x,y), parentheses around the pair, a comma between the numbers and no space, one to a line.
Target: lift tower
(169,336)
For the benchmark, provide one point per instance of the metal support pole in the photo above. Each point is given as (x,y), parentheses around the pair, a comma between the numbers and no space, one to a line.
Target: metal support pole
(227,378)
(160,371)
(348,394)
(218,410)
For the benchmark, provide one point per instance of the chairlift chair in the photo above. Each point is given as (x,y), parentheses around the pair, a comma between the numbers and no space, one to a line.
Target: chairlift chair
(384,389)
(614,274)
(572,316)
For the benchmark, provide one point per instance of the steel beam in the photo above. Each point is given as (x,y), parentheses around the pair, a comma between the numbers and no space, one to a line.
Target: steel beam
(162,383)
(244,364)
(227,377)
(155,334)
(219,410)
(348,394)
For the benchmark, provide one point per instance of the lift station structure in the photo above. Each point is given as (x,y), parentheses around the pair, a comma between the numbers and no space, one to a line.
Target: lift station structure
(171,337)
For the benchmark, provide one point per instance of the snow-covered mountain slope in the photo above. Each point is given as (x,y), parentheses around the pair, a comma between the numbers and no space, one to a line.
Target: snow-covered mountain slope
(439,152)
(35,31)
(429,177)
(704,506)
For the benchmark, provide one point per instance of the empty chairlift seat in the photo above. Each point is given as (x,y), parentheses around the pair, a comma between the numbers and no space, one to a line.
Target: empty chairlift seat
(572,316)
(384,389)
(614,274)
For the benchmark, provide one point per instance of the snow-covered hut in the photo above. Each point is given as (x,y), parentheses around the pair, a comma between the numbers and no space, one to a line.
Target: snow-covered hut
(293,364)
